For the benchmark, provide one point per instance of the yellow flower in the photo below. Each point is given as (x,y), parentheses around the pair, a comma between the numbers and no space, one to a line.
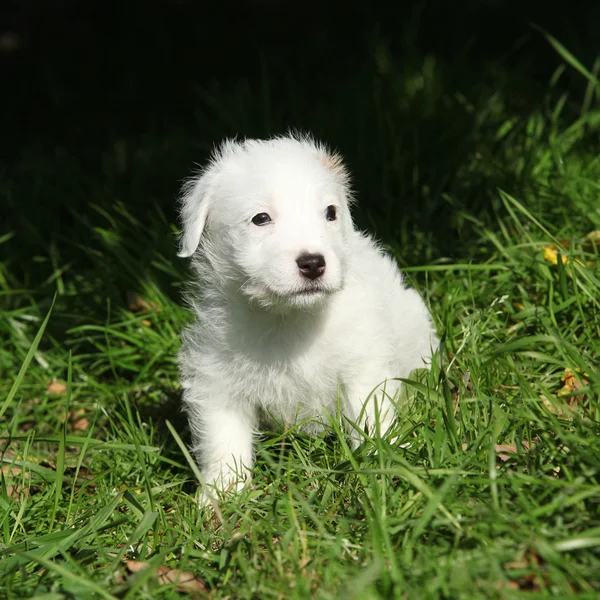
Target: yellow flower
(551,255)
(570,383)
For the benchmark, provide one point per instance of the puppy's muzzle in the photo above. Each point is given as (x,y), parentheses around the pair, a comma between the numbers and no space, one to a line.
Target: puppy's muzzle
(312,266)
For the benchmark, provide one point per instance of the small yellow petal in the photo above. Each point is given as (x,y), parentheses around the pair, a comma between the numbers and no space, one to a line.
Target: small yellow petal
(551,255)
(570,385)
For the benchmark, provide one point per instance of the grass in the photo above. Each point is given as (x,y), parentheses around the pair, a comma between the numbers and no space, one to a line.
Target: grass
(493,487)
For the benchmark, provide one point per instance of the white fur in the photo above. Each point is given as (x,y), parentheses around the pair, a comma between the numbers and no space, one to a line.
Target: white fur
(268,342)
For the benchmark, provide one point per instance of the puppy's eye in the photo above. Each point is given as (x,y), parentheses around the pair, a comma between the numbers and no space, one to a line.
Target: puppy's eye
(261,219)
(331,213)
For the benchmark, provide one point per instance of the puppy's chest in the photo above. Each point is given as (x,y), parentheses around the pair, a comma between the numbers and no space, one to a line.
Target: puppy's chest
(285,378)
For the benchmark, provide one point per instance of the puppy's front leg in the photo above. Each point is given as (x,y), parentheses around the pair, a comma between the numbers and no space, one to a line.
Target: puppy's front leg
(223,439)
(371,408)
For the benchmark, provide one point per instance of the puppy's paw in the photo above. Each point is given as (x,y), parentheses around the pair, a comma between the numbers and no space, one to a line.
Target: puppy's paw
(217,487)
(206,498)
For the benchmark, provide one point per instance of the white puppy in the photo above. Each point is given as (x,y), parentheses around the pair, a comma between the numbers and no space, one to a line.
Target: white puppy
(297,313)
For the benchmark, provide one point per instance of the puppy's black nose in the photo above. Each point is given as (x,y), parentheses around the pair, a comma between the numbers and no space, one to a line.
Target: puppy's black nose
(311,265)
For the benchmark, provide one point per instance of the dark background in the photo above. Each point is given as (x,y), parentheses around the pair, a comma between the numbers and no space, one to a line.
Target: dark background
(107,106)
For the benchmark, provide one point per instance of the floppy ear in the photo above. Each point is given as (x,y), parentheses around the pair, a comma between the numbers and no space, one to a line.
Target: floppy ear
(196,201)
(198,195)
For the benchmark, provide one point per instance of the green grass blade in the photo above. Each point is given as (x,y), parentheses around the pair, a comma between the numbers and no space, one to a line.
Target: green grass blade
(30,354)
(570,59)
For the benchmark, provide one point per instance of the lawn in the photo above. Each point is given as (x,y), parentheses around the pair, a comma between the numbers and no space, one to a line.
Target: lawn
(491,487)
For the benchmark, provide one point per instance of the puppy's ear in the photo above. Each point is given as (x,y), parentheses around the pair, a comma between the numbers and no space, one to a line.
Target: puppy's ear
(196,200)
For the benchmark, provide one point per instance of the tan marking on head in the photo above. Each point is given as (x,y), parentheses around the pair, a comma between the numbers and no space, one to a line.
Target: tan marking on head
(334,163)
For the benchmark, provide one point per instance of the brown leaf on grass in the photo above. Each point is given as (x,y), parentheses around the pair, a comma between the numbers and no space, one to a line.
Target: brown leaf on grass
(591,244)
(57,387)
(81,424)
(136,303)
(84,475)
(525,577)
(592,241)
(78,420)
(183,580)
(527,583)
(15,491)
(12,488)
(556,409)
(506,451)
(119,579)
(9,471)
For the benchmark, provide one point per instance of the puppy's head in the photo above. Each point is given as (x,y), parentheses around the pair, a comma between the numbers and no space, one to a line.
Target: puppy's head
(273,217)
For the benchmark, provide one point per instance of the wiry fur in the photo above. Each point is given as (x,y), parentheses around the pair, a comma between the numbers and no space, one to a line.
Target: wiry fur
(267,341)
